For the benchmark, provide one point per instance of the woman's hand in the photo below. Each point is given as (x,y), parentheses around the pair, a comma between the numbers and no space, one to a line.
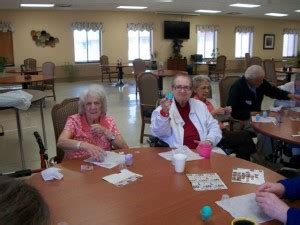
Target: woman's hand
(219,111)
(165,105)
(272,205)
(98,129)
(95,151)
(276,188)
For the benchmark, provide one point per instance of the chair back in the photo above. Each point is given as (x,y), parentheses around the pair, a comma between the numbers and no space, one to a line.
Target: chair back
(247,60)
(30,64)
(148,89)
(255,61)
(224,87)
(104,62)
(139,66)
(270,72)
(60,113)
(48,69)
(221,64)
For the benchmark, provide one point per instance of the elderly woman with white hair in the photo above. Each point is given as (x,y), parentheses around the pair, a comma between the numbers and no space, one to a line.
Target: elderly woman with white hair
(90,132)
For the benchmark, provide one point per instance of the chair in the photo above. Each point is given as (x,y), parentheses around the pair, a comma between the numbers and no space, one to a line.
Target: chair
(270,73)
(105,69)
(60,113)
(224,87)
(255,61)
(219,69)
(149,95)
(247,60)
(139,66)
(30,65)
(48,69)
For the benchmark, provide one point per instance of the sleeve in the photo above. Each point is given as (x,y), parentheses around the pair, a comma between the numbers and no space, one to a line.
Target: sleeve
(214,132)
(71,125)
(292,187)
(160,126)
(293,216)
(274,92)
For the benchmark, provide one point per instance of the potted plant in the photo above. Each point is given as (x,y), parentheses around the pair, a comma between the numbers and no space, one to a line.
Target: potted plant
(70,69)
(2,64)
(215,53)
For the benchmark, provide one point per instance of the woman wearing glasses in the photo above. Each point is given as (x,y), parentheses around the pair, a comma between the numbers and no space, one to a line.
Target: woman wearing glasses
(183,120)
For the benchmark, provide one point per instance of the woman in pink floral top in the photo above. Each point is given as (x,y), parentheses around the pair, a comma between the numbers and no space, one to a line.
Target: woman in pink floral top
(90,132)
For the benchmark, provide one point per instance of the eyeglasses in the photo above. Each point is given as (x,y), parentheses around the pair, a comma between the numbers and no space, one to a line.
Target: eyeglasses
(182,88)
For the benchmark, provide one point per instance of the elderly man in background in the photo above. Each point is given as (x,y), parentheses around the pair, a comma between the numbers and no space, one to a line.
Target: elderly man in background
(183,120)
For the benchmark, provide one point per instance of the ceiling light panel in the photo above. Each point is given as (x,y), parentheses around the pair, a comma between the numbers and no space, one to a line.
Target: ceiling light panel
(131,7)
(276,14)
(207,11)
(37,5)
(241,5)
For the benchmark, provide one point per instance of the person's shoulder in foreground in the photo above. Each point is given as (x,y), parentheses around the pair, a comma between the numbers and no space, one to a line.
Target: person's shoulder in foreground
(21,203)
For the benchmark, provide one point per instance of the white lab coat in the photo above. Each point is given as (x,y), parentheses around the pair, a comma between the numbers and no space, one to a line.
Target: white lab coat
(170,129)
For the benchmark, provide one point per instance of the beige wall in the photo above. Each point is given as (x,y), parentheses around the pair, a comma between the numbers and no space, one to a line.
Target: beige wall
(57,23)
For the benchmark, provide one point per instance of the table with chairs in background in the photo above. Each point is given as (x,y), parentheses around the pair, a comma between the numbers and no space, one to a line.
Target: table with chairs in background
(161,196)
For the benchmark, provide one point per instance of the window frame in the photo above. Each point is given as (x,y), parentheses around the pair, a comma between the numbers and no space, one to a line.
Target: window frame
(100,48)
(295,47)
(151,44)
(250,44)
(215,42)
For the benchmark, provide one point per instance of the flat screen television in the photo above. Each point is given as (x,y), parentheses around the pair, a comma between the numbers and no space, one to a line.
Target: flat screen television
(176,30)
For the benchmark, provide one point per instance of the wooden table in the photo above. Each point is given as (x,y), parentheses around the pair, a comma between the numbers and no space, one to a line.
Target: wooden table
(164,73)
(120,67)
(17,79)
(37,97)
(210,65)
(26,72)
(161,197)
(288,72)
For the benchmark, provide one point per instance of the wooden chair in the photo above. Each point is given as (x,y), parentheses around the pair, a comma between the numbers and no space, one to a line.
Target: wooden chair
(48,69)
(247,60)
(255,61)
(106,70)
(219,69)
(139,66)
(30,65)
(149,95)
(270,73)
(60,113)
(224,87)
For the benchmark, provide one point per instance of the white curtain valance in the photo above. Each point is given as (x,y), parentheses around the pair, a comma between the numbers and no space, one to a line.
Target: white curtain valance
(87,26)
(140,26)
(290,31)
(6,26)
(244,29)
(207,28)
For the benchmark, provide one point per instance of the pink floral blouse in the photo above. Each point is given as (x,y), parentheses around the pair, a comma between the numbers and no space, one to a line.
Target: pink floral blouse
(81,131)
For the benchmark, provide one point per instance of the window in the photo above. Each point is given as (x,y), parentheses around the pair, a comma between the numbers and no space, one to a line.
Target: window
(206,43)
(139,44)
(243,43)
(87,45)
(290,45)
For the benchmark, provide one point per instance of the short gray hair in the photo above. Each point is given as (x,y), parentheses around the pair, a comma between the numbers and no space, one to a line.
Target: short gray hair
(181,75)
(254,71)
(94,90)
(197,80)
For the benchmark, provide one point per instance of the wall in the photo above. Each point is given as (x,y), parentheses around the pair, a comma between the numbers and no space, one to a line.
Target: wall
(57,23)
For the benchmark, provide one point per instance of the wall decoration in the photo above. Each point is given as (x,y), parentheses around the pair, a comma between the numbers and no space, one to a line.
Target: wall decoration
(269,41)
(43,39)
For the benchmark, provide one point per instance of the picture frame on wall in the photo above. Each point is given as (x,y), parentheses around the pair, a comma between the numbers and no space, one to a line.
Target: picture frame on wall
(269,41)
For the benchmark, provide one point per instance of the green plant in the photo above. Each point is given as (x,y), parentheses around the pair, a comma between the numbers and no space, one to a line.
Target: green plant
(215,53)
(154,55)
(70,69)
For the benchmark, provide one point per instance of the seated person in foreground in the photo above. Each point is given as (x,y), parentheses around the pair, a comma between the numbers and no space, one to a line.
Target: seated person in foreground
(240,141)
(21,203)
(184,120)
(91,132)
(268,198)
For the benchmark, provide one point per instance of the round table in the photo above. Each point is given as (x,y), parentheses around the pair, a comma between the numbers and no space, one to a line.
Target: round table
(17,79)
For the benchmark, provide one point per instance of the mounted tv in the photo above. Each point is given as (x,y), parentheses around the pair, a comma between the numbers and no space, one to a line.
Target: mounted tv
(176,30)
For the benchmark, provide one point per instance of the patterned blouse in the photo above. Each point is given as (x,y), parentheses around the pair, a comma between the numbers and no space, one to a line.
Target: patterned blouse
(81,131)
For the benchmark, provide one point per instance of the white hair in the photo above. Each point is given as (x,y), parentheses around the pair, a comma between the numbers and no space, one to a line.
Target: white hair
(254,71)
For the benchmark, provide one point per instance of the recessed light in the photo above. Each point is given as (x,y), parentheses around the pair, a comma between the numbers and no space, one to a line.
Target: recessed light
(37,5)
(298,10)
(241,5)
(132,7)
(276,14)
(207,11)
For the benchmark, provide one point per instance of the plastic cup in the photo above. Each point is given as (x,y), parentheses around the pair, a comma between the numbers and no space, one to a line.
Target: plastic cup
(179,161)
(204,150)
(243,221)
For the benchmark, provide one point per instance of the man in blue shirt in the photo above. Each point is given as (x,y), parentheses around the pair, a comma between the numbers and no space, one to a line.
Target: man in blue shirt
(268,198)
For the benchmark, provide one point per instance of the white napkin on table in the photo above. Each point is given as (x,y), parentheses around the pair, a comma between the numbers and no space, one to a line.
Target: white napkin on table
(51,174)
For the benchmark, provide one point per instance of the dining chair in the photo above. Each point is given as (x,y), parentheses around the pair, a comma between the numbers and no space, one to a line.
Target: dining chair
(219,69)
(149,95)
(48,69)
(224,87)
(255,61)
(247,60)
(60,113)
(30,65)
(139,66)
(270,73)
(106,70)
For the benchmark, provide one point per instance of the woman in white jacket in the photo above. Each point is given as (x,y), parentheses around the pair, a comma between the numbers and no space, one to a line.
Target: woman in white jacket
(183,120)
